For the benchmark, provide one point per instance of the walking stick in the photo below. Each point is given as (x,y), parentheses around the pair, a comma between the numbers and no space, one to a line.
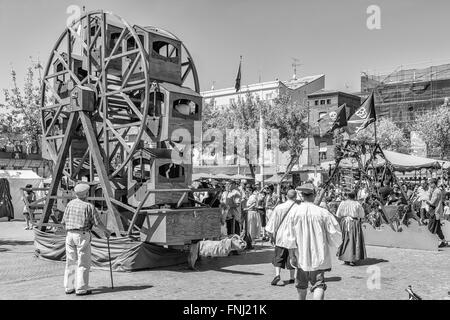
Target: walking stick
(110,266)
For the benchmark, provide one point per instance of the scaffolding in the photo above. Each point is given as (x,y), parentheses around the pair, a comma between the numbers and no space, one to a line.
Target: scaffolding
(406,93)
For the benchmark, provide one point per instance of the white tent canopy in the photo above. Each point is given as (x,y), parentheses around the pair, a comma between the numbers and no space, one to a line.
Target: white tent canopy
(401,162)
(19,179)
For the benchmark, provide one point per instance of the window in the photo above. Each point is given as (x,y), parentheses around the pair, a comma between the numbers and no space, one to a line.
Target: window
(323,151)
(141,170)
(185,108)
(322,102)
(165,49)
(171,172)
(316,102)
(158,108)
(328,101)
(131,43)
(268,96)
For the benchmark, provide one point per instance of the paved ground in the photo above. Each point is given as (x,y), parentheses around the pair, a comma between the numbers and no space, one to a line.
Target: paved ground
(247,276)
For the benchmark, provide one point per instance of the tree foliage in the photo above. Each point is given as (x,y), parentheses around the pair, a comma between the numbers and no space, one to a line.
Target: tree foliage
(290,119)
(21,115)
(434,129)
(389,136)
(284,115)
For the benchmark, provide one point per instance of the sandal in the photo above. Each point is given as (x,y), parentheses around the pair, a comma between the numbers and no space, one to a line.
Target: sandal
(275,280)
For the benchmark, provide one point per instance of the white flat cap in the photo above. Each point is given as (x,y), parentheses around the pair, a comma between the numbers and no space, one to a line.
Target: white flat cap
(81,189)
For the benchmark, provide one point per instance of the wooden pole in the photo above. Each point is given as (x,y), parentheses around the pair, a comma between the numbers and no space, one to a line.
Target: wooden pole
(59,167)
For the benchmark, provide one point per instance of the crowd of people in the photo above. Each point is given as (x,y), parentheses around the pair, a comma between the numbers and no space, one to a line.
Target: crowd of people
(302,232)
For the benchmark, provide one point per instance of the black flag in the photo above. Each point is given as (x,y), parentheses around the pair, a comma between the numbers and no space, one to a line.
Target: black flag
(364,116)
(333,120)
(237,86)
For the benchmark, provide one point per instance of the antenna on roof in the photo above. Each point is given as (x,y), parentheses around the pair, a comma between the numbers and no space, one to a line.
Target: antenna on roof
(295,64)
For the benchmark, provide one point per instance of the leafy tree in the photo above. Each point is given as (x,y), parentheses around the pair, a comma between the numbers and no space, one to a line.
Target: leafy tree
(290,119)
(22,116)
(240,118)
(389,136)
(434,128)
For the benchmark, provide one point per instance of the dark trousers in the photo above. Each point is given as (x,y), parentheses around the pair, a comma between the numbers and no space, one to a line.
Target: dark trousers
(237,229)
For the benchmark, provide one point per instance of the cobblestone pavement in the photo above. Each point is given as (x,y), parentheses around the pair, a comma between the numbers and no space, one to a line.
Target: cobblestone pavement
(247,276)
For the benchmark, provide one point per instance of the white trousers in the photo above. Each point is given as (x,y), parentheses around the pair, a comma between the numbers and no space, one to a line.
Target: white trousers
(78,260)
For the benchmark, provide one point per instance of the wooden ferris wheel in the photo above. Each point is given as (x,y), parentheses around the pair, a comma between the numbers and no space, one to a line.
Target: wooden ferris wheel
(116,106)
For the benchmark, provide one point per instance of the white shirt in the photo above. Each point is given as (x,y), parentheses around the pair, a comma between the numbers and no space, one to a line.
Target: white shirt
(275,223)
(312,232)
(350,208)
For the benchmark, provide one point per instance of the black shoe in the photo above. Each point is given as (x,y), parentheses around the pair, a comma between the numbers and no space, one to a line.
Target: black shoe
(70,291)
(85,293)
(291,281)
(442,245)
(275,280)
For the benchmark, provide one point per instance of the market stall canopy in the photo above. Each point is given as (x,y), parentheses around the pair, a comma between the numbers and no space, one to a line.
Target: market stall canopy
(202,175)
(223,176)
(401,162)
(277,178)
(19,179)
(406,162)
(241,176)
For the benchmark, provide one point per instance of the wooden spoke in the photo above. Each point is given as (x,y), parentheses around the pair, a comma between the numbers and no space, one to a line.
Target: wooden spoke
(72,75)
(186,73)
(94,39)
(74,34)
(118,135)
(55,118)
(54,93)
(132,106)
(54,75)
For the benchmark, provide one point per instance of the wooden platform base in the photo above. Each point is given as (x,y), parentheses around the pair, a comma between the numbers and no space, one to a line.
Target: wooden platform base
(411,237)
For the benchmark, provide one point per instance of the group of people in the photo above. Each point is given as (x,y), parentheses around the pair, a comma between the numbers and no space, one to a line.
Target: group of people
(304,234)
(245,208)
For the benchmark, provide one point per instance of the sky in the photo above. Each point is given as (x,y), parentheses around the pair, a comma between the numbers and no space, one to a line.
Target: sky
(326,36)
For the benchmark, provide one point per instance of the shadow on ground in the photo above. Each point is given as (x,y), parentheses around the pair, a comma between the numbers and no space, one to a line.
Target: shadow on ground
(333,279)
(15,242)
(119,289)
(370,261)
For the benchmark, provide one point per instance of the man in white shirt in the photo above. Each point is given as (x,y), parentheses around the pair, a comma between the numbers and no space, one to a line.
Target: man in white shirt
(423,196)
(311,233)
(278,226)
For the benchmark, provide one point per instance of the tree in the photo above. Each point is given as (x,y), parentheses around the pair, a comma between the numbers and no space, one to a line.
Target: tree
(22,107)
(240,120)
(389,136)
(434,128)
(290,119)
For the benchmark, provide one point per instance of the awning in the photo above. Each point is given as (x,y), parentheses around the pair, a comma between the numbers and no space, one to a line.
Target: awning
(401,162)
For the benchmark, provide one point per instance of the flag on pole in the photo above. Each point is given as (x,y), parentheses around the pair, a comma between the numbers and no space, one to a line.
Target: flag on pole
(364,116)
(333,120)
(237,86)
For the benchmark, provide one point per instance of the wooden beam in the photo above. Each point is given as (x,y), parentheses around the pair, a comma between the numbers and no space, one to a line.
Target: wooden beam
(138,209)
(101,170)
(59,167)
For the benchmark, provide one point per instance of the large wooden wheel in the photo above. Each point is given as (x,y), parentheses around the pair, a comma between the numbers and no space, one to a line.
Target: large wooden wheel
(189,76)
(100,51)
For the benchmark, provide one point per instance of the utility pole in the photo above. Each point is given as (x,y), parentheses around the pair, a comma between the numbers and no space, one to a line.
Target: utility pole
(295,64)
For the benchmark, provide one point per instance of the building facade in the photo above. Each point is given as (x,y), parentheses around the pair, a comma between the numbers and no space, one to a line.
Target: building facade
(406,93)
(321,149)
(298,89)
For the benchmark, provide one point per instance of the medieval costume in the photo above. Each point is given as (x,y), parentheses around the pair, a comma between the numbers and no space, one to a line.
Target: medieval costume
(352,248)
